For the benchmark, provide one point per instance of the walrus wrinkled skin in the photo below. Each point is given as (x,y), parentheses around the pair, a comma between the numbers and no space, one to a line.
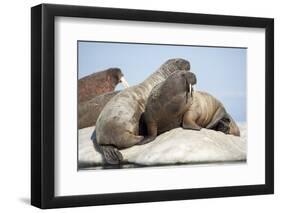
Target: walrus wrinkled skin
(205,111)
(89,111)
(118,124)
(173,103)
(99,83)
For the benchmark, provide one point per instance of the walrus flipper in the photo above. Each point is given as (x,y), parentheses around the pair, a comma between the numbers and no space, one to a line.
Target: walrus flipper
(131,140)
(233,128)
(189,121)
(146,140)
(223,126)
(111,154)
(219,115)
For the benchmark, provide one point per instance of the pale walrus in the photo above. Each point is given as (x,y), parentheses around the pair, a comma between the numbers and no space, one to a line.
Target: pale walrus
(99,82)
(205,111)
(118,124)
(173,103)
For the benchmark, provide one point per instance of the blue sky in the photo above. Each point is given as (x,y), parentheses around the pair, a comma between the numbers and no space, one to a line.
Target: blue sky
(220,71)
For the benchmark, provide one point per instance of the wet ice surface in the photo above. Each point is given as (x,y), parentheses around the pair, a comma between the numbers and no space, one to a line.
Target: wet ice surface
(175,147)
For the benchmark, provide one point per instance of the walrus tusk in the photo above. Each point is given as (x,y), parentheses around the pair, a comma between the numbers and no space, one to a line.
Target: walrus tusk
(124,82)
(191,90)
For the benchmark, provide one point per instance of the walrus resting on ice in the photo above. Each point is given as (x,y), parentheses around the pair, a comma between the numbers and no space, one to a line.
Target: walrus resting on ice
(173,103)
(205,111)
(99,82)
(118,124)
(167,103)
(89,111)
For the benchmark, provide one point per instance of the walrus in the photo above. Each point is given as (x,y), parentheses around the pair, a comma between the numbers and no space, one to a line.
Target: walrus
(205,111)
(173,103)
(117,126)
(99,82)
(167,103)
(89,111)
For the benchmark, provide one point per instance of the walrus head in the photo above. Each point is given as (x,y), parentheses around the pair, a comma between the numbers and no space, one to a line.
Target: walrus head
(179,83)
(223,125)
(182,64)
(118,77)
(99,82)
(228,126)
(190,81)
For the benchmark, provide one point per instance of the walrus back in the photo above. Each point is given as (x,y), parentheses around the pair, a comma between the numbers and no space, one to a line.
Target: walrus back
(121,114)
(212,110)
(207,105)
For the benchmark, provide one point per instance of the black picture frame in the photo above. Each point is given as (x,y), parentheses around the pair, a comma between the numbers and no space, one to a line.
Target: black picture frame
(43,102)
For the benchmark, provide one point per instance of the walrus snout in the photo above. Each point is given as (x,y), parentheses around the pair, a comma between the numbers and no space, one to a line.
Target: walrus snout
(190,78)
(119,77)
(180,82)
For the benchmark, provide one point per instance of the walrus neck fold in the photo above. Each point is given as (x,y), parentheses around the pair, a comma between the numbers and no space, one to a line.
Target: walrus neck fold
(157,77)
(171,65)
(153,80)
(165,71)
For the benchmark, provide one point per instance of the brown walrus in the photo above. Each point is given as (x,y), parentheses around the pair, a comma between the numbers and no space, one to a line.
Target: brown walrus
(99,83)
(173,103)
(118,124)
(89,111)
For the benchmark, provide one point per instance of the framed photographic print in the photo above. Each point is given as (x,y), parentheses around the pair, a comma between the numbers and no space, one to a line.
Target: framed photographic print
(140,106)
